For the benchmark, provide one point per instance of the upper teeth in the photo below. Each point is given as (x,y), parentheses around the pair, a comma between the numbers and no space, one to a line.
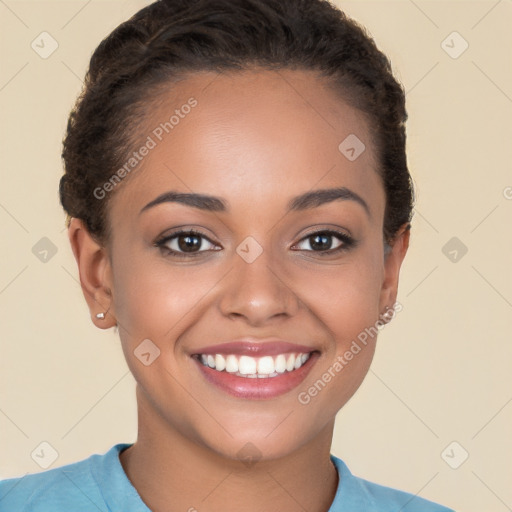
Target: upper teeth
(246,366)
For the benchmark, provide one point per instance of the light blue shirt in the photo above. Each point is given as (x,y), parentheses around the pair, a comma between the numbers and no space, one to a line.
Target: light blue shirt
(99,483)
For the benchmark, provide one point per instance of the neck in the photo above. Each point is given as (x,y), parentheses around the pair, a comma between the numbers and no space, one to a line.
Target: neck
(172,473)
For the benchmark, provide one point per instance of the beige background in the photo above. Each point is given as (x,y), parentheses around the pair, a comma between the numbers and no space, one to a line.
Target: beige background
(442,368)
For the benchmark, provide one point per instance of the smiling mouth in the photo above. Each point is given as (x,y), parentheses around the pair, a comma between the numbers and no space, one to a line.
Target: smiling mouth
(254,367)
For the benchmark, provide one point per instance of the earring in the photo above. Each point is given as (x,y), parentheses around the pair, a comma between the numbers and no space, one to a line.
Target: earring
(101,316)
(386,315)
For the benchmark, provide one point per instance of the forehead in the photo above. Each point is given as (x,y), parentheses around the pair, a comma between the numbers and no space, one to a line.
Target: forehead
(251,137)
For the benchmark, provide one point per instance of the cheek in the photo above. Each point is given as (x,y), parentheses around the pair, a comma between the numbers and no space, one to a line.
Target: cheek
(345,298)
(152,299)
(346,304)
(157,302)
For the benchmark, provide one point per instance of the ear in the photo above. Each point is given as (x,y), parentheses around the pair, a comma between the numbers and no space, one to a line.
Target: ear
(95,273)
(392,263)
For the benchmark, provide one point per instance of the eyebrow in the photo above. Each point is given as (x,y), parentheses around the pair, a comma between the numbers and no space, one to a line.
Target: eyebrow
(305,201)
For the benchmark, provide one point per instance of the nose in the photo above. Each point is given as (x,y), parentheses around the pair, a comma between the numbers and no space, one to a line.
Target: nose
(258,292)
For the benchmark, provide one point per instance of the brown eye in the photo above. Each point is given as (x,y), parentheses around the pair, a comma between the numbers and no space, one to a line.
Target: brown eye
(185,243)
(322,242)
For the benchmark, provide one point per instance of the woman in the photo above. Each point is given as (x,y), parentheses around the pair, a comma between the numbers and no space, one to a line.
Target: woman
(239,207)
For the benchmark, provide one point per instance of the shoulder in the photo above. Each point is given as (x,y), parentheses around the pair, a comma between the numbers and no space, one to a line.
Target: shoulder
(70,487)
(355,493)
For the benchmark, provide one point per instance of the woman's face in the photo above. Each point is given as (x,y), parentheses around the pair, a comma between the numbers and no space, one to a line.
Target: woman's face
(262,268)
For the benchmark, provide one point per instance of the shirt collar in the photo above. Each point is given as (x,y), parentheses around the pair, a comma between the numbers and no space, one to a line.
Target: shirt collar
(119,493)
(116,488)
(351,494)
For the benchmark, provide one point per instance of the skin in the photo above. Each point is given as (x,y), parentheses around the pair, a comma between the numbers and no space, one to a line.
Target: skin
(255,139)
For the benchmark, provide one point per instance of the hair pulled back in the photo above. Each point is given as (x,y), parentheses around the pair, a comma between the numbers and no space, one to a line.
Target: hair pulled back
(170,38)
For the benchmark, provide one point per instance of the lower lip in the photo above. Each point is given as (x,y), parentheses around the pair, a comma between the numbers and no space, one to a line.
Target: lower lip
(257,388)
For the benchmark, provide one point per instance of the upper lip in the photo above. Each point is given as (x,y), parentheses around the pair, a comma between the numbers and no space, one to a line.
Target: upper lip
(255,348)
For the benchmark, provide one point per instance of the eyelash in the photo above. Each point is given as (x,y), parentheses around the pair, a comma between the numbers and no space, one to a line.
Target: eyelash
(348,243)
